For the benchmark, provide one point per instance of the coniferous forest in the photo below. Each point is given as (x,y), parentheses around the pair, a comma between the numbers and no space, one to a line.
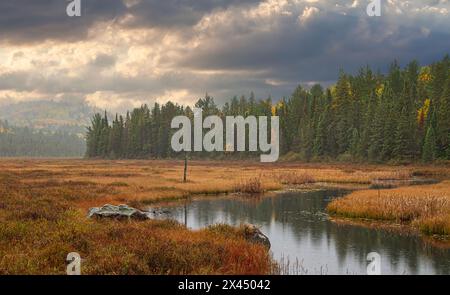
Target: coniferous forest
(402,116)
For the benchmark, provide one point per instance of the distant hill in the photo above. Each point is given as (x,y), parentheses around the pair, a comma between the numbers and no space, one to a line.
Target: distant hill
(64,116)
(30,142)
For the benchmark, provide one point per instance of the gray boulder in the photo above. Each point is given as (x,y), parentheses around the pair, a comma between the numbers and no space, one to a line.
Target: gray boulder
(254,235)
(117,212)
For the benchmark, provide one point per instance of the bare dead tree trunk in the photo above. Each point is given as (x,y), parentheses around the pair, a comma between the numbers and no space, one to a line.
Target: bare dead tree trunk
(185,168)
(185,213)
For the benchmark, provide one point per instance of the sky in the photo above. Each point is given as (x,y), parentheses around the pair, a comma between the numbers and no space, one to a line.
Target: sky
(120,54)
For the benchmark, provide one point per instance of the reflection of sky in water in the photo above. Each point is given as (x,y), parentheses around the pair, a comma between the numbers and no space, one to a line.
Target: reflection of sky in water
(299,229)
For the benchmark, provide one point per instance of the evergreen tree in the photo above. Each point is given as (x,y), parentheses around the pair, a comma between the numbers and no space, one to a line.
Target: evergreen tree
(429,148)
(443,122)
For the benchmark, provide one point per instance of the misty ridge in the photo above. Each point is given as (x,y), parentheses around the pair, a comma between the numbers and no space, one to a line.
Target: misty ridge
(29,142)
(67,115)
(44,129)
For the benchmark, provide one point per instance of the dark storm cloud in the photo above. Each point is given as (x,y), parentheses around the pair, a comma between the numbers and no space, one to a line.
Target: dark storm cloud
(319,49)
(27,21)
(177,13)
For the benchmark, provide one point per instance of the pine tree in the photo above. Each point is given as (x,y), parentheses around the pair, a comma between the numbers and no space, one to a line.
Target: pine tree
(354,143)
(104,137)
(447,151)
(443,121)
(115,150)
(93,137)
(319,147)
(407,124)
(429,149)
(389,118)
(342,104)
(377,135)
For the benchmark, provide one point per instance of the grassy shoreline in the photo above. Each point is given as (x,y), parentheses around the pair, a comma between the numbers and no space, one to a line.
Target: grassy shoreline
(425,208)
(43,205)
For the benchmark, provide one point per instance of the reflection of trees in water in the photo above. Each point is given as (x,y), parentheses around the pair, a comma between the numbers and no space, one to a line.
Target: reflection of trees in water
(400,248)
(440,257)
(302,215)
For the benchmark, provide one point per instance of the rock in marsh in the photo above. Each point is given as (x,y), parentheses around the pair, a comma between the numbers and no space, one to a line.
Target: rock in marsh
(117,212)
(254,235)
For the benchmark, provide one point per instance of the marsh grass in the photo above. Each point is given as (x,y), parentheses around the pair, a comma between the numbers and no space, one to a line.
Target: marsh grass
(40,226)
(119,184)
(287,266)
(251,186)
(426,207)
(296,178)
(43,206)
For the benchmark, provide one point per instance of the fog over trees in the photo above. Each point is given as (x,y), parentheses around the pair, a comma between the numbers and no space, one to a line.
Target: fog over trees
(29,142)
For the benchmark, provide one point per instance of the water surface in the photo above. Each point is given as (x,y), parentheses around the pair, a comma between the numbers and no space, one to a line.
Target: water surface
(301,233)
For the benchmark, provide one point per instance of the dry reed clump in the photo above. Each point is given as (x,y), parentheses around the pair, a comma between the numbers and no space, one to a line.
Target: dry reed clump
(250,186)
(392,175)
(426,207)
(436,225)
(296,178)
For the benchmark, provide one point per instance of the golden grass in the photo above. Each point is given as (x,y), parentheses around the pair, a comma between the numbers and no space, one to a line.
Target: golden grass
(296,178)
(146,182)
(427,207)
(250,186)
(41,223)
(152,181)
(43,206)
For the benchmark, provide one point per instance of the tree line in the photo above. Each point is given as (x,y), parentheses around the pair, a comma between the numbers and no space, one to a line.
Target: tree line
(29,142)
(401,116)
